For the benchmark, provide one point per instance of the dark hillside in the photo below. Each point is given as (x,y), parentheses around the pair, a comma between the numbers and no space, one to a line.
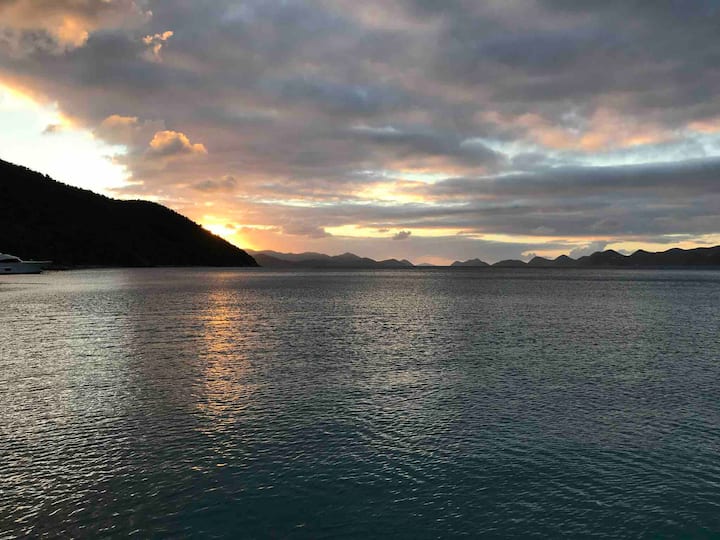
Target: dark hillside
(44,219)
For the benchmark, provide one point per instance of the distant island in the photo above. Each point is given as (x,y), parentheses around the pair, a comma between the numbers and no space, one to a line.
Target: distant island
(709,256)
(602,259)
(44,219)
(274,259)
(470,262)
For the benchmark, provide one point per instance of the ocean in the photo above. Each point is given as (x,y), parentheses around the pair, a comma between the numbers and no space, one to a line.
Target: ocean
(426,403)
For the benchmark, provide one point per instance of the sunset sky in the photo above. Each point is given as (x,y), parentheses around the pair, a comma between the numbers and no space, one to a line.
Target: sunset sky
(419,129)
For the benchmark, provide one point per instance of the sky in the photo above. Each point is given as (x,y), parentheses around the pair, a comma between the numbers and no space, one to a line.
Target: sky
(417,129)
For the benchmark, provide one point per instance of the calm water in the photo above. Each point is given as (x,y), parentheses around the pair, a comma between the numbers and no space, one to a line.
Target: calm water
(416,404)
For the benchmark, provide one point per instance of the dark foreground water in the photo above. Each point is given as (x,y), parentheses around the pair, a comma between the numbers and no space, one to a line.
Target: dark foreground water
(412,404)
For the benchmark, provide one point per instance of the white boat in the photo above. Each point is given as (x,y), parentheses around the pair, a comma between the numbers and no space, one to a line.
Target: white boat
(10,264)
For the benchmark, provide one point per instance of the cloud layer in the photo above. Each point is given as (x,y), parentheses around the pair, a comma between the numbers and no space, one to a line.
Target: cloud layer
(463,128)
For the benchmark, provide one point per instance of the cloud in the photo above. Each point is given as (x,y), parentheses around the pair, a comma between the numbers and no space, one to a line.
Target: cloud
(155,43)
(52,128)
(419,144)
(661,181)
(402,235)
(116,121)
(130,131)
(69,22)
(116,128)
(227,183)
(172,143)
(304,229)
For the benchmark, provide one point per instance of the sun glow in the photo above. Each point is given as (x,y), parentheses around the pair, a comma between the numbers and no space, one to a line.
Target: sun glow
(390,192)
(39,136)
(226,231)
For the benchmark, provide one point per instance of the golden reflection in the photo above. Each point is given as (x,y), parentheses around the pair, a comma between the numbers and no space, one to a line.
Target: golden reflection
(224,391)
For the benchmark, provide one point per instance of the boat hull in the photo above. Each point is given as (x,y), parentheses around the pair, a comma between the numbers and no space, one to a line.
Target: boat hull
(25,267)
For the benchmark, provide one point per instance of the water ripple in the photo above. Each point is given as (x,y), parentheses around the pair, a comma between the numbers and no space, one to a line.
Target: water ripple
(359,404)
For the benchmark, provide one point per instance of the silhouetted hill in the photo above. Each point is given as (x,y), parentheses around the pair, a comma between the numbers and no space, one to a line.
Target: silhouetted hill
(274,259)
(269,261)
(291,257)
(510,263)
(603,258)
(674,257)
(540,261)
(564,260)
(677,257)
(470,262)
(561,261)
(44,219)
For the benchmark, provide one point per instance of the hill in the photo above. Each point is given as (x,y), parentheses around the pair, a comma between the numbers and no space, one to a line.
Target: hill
(274,259)
(470,262)
(510,263)
(674,257)
(41,218)
(709,256)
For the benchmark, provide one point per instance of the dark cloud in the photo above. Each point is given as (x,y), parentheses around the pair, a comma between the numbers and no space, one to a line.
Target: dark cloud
(300,228)
(335,98)
(52,128)
(658,181)
(227,183)
(419,143)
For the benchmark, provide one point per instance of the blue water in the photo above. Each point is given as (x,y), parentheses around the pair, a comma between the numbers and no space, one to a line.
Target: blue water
(411,404)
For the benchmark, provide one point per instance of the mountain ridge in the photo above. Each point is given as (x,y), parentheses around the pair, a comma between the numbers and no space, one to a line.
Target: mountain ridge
(673,257)
(470,262)
(41,218)
(275,259)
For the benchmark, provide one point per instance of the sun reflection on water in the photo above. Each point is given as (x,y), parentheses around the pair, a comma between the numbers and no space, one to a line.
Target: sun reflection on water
(224,392)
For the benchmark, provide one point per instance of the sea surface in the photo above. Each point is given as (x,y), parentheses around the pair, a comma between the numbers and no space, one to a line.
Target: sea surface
(406,404)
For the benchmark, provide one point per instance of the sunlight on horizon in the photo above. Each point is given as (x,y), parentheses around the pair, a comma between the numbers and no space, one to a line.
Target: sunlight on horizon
(226,232)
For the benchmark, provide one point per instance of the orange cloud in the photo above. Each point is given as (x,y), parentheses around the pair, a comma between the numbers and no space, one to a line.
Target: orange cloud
(155,42)
(606,129)
(115,120)
(127,130)
(70,22)
(174,143)
(706,127)
(609,129)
